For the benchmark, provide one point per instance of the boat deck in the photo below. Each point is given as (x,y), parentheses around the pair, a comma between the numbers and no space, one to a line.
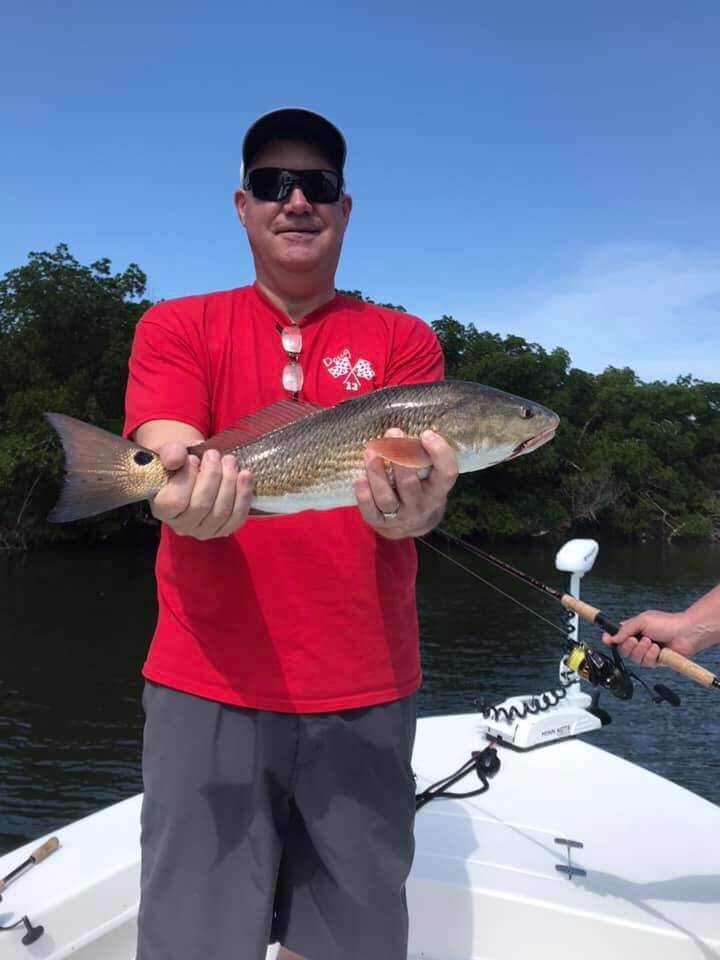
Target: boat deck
(484,885)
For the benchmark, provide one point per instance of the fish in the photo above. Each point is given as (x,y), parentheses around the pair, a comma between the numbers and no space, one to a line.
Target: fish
(306,457)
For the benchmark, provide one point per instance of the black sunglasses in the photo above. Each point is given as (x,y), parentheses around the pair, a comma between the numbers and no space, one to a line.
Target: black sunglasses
(276,184)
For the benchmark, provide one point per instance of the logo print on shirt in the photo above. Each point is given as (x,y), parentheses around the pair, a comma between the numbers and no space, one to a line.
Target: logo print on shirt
(352,373)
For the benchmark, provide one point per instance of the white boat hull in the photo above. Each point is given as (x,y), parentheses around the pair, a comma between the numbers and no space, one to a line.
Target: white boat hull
(484,884)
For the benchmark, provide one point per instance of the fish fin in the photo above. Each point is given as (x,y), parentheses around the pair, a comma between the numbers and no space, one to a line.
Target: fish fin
(262,513)
(405,451)
(95,475)
(257,424)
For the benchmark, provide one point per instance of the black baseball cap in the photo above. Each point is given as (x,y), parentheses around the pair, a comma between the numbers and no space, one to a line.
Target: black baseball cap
(294,123)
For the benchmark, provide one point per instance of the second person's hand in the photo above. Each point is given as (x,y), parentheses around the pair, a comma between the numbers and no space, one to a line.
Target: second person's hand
(642,637)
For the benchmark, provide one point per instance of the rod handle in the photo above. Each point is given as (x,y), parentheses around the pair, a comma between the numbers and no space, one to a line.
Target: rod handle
(676,661)
(589,613)
(667,658)
(45,849)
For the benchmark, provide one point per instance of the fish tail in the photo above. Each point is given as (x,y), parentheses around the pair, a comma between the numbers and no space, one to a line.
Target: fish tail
(102,471)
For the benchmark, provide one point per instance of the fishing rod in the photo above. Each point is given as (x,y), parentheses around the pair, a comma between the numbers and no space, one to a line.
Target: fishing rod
(32,932)
(44,850)
(599,669)
(584,665)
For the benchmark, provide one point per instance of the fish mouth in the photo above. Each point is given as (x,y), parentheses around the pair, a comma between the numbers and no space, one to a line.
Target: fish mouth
(537,441)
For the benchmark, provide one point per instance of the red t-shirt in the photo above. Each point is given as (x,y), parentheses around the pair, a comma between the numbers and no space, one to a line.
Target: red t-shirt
(305,613)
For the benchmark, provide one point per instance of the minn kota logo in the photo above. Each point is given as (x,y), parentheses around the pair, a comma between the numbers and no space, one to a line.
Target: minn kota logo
(352,373)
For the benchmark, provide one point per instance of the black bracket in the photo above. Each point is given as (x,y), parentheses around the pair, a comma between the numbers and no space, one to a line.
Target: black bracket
(32,933)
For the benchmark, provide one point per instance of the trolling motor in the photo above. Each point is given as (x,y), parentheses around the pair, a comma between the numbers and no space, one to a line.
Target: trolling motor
(526,722)
(583,560)
(530,721)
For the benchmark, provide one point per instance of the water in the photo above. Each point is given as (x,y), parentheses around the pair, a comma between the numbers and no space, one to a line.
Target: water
(75,625)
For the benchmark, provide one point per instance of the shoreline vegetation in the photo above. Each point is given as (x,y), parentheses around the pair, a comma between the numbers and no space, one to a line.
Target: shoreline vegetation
(635,460)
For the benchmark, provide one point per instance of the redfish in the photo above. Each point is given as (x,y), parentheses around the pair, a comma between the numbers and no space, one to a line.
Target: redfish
(305,457)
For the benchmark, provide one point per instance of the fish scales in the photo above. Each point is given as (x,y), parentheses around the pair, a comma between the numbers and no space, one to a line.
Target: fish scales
(326,450)
(302,457)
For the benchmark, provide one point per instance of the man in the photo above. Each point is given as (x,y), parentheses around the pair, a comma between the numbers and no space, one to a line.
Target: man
(686,632)
(280,693)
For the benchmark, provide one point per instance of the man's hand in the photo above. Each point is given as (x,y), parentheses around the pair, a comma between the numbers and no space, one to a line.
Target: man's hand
(638,637)
(414,506)
(205,499)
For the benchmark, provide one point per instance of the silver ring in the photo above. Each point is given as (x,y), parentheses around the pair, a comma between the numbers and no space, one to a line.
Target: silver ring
(391,515)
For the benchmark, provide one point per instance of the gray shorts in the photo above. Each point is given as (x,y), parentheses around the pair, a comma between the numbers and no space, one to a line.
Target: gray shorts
(260,826)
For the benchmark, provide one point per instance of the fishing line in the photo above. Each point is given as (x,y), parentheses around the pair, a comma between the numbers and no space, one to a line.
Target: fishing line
(502,565)
(492,586)
(667,658)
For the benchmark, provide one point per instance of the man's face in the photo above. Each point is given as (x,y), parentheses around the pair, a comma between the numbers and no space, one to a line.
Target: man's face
(293,234)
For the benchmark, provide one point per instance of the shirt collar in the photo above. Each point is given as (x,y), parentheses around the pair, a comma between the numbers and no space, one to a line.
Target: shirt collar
(282,318)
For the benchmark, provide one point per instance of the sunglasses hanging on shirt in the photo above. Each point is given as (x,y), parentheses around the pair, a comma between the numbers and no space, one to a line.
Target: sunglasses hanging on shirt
(292,375)
(276,184)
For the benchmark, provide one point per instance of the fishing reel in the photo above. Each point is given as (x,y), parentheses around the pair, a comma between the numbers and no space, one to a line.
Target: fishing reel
(603,671)
(612,674)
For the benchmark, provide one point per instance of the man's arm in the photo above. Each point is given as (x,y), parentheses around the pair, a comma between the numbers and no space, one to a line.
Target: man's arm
(205,499)
(686,632)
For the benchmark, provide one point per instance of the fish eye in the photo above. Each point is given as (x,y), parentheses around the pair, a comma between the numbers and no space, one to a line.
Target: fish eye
(526,413)
(142,458)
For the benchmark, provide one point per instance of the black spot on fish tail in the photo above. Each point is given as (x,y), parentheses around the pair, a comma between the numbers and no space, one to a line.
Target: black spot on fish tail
(96,478)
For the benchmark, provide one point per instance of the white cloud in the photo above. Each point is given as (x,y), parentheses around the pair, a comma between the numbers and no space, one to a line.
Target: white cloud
(655,310)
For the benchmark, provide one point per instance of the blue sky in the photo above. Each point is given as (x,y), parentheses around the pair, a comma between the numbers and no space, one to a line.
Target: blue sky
(545,169)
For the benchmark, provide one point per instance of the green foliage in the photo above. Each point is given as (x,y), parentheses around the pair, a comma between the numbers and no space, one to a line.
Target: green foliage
(359,296)
(65,335)
(636,459)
